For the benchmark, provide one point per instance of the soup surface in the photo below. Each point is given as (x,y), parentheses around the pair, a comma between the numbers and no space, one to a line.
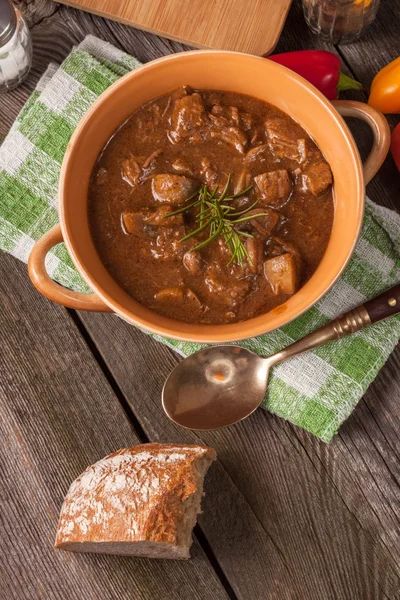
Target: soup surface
(252,200)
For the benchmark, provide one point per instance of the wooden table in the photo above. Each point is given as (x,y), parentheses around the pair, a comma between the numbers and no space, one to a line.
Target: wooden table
(285,516)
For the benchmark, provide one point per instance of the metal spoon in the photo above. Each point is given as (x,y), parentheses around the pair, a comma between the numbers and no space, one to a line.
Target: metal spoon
(221,385)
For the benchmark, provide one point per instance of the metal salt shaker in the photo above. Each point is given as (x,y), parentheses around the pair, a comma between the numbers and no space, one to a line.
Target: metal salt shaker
(15,47)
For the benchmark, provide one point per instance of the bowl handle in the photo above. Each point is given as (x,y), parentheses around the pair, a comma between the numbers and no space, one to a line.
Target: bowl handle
(380,129)
(51,289)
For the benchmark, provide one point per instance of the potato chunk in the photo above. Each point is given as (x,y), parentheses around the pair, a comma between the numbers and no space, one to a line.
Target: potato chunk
(282,274)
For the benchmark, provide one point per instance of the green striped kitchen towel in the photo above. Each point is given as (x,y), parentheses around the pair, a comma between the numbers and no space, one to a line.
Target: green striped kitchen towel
(316,391)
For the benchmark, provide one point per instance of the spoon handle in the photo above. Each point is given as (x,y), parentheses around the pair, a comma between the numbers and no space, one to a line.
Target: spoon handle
(381,307)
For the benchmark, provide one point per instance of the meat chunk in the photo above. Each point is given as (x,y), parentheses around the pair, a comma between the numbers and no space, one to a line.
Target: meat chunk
(166,246)
(223,254)
(247,120)
(230,285)
(188,117)
(242,181)
(211,177)
(229,114)
(183,167)
(130,171)
(193,262)
(181,296)
(184,90)
(275,187)
(233,136)
(282,274)
(255,250)
(258,153)
(150,161)
(225,126)
(135,170)
(284,141)
(134,222)
(264,225)
(193,301)
(233,115)
(228,316)
(316,177)
(158,217)
(173,294)
(218,120)
(172,189)
(258,137)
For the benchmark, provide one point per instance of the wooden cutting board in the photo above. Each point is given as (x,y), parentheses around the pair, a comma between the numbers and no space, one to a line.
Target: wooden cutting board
(250,26)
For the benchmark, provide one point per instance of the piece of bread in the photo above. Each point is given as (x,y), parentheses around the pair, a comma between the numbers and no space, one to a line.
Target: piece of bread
(140,501)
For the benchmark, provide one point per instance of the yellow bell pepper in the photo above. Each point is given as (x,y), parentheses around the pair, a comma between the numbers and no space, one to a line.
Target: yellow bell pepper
(385,89)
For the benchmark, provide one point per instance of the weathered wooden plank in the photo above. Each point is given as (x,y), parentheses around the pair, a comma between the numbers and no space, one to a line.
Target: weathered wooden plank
(58,414)
(337,535)
(37,11)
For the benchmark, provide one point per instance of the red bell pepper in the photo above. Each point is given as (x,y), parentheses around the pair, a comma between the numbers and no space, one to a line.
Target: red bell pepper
(395,145)
(320,68)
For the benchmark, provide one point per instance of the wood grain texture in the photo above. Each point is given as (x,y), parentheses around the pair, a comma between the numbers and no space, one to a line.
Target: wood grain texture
(220,24)
(285,516)
(58,414)
(329,510)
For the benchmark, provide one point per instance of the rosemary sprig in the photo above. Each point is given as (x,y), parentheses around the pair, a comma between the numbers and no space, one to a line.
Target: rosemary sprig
(216,214)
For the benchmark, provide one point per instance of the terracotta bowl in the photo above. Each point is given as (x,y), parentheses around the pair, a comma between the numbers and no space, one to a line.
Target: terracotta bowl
(235,72)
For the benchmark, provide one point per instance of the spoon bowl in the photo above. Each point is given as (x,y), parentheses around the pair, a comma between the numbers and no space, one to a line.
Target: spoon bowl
(215,387)
(221,385)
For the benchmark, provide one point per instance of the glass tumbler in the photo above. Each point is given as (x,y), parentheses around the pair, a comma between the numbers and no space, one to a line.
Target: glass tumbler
(340,21)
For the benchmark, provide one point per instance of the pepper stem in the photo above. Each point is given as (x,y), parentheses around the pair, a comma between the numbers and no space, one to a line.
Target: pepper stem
(347,83)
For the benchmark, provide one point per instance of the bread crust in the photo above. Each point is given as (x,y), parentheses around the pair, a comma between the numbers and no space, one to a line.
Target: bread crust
(133,495)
